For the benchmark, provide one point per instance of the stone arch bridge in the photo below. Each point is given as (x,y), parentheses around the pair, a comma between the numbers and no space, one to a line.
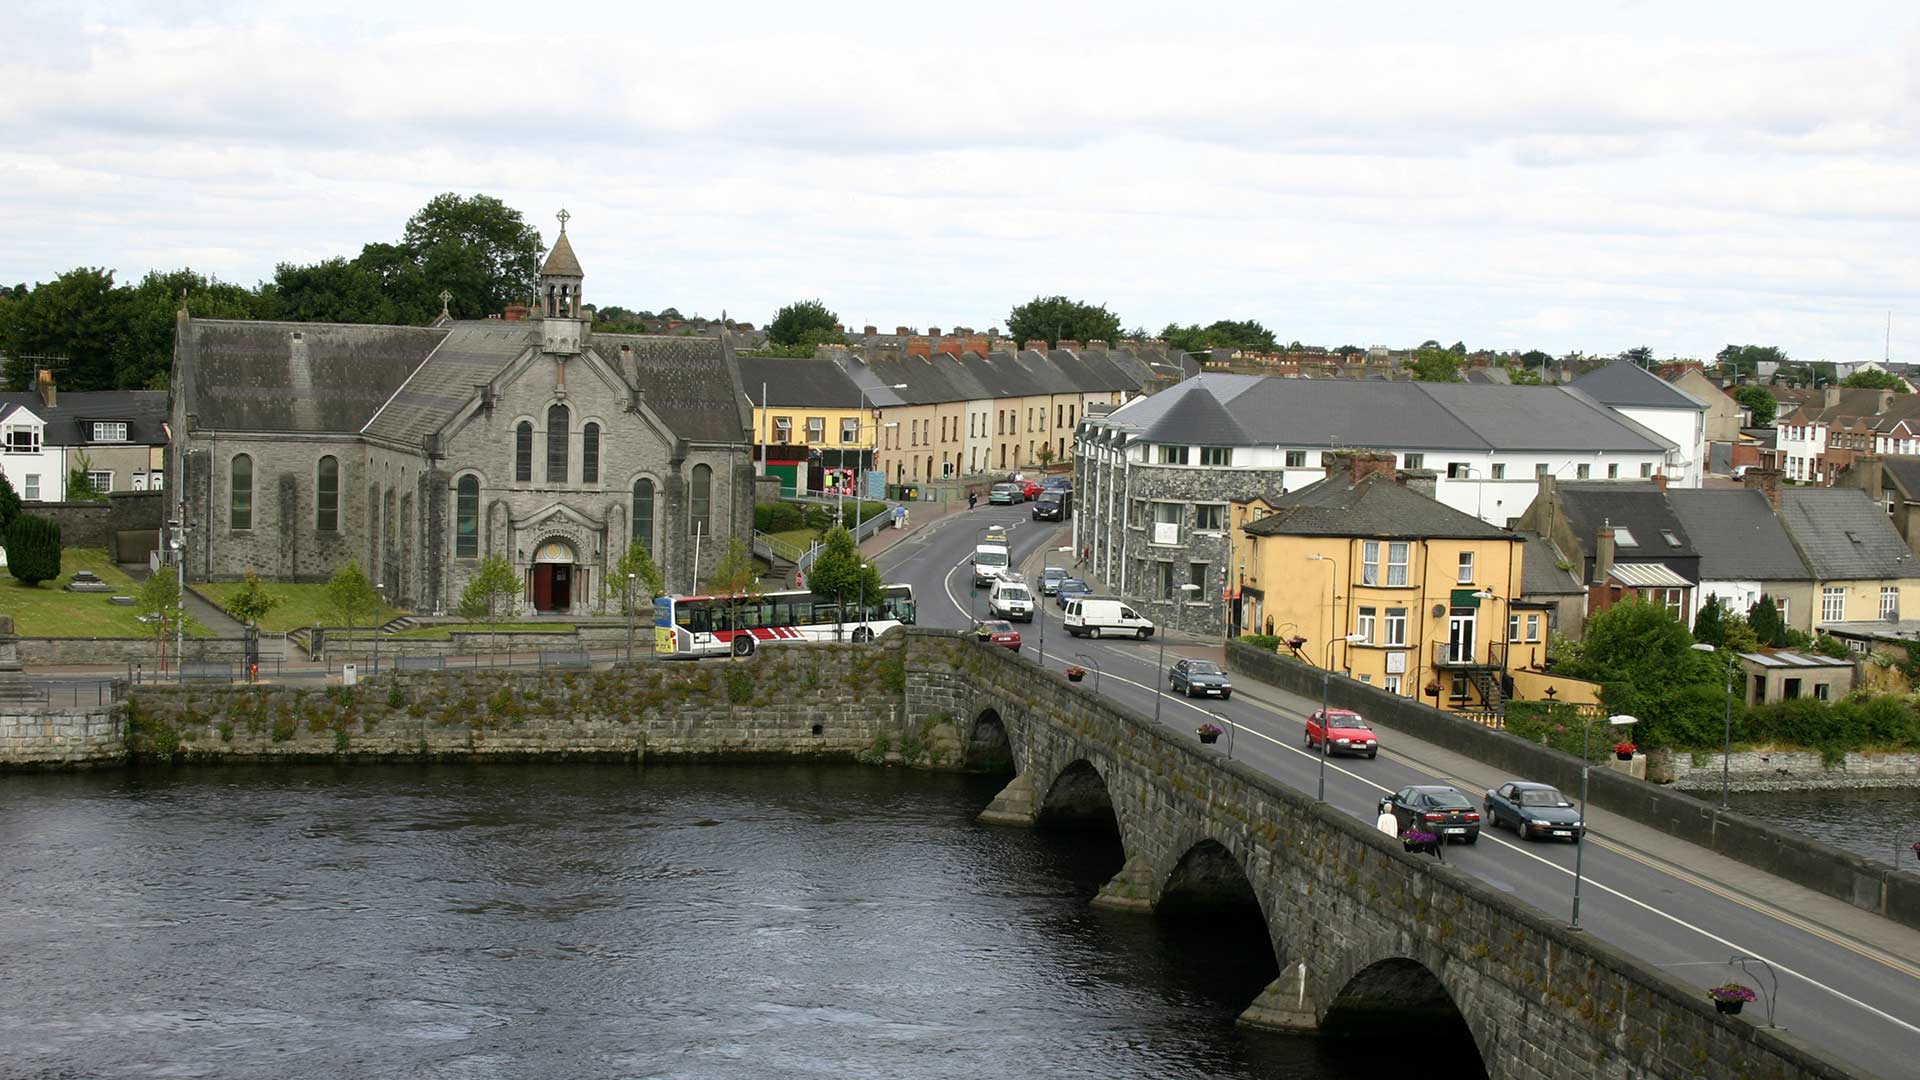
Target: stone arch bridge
(1363,934)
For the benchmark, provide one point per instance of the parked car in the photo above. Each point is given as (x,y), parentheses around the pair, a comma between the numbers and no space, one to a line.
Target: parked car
(1011,599)
(1346,733)
(1057,483)
(1005,495)
(1535,811)
(1050,579)
(997,632)
(1439,809)
(1047,509)
(1199,678)
(1030,489)
(1068,589)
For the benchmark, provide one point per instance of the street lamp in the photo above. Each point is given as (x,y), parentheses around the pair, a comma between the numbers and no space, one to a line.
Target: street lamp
(1039,607)
(864,567)
(1326,680)
(860,453)
(380,595)
(1726,748)
(1586,767)
(630,583)
(178,542)
(1159,682)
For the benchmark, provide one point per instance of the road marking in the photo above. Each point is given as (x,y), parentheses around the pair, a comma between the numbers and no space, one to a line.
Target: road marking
(1588,879)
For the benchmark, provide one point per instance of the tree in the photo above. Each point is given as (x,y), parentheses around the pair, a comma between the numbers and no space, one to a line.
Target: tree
(1458,348)
(638,564)
(1522,375)
(1737,360)
(143,351)
(158,605)
(477,248)
(350,598)
(252,602)
(1045,454)
(735,576)
(491,595)
(1054,319)
(1349,350)
(1871,379)
(1644,659)
(1758,402)
(839,572)
(33,549)
(1710,625)
(1639,355)
(9,505)
(75,316)
(804,324)
(80,486)
(1245,334)
(1764,618)
(1435,365)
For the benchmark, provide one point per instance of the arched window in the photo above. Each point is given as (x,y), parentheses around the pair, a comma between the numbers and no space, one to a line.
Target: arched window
(643,513)
(590,454)
(240,495)
(466,519)
(700,510)
(557,444)
(328,490)
(523,452)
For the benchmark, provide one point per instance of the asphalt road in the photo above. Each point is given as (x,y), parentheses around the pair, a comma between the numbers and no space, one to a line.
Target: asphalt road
(1851,999)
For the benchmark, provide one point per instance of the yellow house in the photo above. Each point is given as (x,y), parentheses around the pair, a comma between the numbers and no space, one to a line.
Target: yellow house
(1383,582)
(807,409)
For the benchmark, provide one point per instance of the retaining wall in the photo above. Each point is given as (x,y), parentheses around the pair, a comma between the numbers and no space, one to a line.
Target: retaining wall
(1783,770)
(62,738)
(1864,883)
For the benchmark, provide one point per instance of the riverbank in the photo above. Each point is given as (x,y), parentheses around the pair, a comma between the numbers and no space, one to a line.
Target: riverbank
(1784,770)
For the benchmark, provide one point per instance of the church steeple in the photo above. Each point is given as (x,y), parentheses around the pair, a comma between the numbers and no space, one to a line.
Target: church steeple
(560,279)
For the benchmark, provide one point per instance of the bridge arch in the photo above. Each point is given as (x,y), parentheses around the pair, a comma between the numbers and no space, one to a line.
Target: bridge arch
(1078,799)
(1401,994)
(989,742)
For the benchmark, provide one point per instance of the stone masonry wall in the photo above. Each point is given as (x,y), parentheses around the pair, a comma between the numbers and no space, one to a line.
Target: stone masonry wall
(42,652)
(1783,770)
(62,738)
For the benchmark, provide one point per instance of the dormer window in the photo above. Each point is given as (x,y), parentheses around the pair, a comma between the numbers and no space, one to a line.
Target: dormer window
(109,431)
(22,438)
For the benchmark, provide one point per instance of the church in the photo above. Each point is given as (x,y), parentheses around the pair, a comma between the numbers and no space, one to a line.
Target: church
(421,450)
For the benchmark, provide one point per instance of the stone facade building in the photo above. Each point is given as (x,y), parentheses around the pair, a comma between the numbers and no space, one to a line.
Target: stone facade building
(421,450)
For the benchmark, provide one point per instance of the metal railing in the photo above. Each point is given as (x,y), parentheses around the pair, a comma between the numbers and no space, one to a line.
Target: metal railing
(1444,656)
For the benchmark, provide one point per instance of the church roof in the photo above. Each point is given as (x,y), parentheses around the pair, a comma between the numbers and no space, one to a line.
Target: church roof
(561,261)
(693,383)
(472,353)
(288,376)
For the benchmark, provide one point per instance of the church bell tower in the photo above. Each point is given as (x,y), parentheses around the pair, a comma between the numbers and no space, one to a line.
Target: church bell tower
(557,303)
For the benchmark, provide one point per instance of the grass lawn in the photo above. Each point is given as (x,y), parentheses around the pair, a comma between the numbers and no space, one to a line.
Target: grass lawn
(300,605)
(51,611)
(796,540)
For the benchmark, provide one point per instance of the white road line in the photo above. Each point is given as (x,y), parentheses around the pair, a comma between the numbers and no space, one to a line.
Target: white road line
(1588,879)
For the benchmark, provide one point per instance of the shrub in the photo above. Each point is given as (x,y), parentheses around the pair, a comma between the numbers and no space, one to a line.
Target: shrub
(33,549)
(739,685)
(778,517)
(1260,641)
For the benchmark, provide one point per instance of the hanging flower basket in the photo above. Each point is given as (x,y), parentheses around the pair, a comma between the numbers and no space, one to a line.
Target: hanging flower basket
(1420,842)
(1075,674)
(1730,997)
(1209,732)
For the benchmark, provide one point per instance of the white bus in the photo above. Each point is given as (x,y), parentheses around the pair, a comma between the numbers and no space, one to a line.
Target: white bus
(718,625)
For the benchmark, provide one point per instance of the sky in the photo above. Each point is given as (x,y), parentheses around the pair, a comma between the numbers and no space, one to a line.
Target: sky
(1586,177)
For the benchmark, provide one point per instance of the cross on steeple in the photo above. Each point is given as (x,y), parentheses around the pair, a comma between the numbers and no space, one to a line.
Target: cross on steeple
(445,299)
(563,216)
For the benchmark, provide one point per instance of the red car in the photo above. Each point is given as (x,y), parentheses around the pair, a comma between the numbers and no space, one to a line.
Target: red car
(1346,733)
(997,632)
(1030,488)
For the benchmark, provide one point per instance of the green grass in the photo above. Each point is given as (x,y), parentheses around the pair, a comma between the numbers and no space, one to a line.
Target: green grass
(51,611)
(300,605)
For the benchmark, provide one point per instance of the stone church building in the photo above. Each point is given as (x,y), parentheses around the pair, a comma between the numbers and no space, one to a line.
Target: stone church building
(421,450)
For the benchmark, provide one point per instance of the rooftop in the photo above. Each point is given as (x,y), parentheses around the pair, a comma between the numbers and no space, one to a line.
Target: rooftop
(1377,506)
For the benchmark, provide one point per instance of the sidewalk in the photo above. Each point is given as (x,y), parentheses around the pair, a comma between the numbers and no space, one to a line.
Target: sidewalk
(919,516)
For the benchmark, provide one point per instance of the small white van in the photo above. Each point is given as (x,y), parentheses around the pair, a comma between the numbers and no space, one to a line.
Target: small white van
(1106,618)
(990,563)
(1011,599)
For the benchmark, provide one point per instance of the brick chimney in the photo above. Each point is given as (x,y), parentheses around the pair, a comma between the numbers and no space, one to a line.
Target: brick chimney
(1660,481)
(870,330)
(1871,474)
(933,331)
(43,384)
(1359,464)
(1765,481)
(1069,344)
(1603,553)
(919,346)
(902,331)
(1035,345)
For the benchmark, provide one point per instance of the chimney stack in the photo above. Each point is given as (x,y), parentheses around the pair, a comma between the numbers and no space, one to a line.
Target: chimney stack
(1360,464)
(1603,553)
(1830,396)
(1872,472)
(871,330)
(1660,481)
(1765,481)
(43,382)
(1034,345)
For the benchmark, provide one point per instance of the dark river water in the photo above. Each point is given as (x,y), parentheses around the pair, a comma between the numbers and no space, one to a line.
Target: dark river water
(586,921)
(1879,823)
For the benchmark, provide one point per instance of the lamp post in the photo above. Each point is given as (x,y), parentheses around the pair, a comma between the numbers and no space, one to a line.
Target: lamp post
(864,567)
(1326,688)
(860,453)
(1159,682)
(1039,606)
(630,583)
(179,545)
(1586,767)
(1726,747)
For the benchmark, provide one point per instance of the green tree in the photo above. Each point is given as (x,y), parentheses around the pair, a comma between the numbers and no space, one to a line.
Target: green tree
(1764,619)
(1522,375)
(80,486)
(1054,319)
(158,605)
(735,576)
(1245,334)
(804,324)
(491,595)
(839,572)
(1458,348)
(76,316)
(648,581)
(1761,404)
(33,549)
(1639,355)
(1710,625)
(1736,360)
(478,248)
(252,602)
(1644,659)
(1435,365)
(350,599)
(143,351)
(9,505)
(1869,379)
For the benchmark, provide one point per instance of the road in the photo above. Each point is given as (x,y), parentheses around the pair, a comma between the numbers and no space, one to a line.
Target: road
(1852,990)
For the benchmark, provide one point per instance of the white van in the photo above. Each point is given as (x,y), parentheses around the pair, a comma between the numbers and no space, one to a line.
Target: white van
(990,562)
(1011,599)
(1105,618)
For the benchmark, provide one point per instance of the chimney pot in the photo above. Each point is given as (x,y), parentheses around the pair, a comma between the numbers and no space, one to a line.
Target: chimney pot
(1360,464)
(1603,553)
(43,382)
(1660,481)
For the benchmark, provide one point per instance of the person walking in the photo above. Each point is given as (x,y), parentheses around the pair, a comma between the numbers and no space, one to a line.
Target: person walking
(1386,822)
(973,499)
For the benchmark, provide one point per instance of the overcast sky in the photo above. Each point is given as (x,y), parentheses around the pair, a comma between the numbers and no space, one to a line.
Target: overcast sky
(1591,176)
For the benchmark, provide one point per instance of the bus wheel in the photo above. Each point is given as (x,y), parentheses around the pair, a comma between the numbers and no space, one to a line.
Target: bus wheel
(743,646)
(862,635)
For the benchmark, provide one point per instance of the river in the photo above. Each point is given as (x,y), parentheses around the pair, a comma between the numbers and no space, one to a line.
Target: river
(584,920)
(1880,823)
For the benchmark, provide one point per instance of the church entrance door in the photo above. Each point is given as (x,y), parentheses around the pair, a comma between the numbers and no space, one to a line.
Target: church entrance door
(554,577)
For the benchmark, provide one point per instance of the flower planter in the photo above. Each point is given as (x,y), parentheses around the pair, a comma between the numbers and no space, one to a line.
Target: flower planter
(1628,756)
(1731,1008)
(1076,676)
(1209,736)
(1423,844)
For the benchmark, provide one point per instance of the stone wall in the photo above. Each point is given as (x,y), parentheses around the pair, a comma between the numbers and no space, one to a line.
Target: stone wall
(1783,770)
(43,652)
(94,524)
(821,702)
(60,738)
(1864,883)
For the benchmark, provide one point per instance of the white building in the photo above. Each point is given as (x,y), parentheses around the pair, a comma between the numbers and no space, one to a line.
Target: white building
(32,464)
(1670,412)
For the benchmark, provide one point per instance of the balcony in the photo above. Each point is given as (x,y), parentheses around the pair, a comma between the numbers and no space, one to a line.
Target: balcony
(1448,657)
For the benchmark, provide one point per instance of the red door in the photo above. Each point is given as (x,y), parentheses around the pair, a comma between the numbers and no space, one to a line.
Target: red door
(543,587)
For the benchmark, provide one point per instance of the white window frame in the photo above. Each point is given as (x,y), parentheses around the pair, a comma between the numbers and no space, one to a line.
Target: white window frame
(783,430)
(1533,627)
(109,431)
(1391,683)
(1466,569)
(849,430)
(1363,622)
(1513,628)
(1405,551)
(1224,454)
(1370,562)
(33,433)
(1394,626)
(1499,471)
(101,479)
(1415,461)
(1889,600)
(30,487)
(1833,604)
(816,429)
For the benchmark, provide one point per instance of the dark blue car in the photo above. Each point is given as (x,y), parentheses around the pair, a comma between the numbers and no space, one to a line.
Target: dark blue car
(1068,589)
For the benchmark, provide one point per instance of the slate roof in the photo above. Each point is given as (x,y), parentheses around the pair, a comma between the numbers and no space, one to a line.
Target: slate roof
(692,383)
(1628,385)
(943,379)
(1414,415)
(1640,508)
(1844,535)
(1737,534)
(472,353)
(145,412)
(1540,573)
(1904,471)
(561,261)
(300,377)
(795,382)
(1378,506)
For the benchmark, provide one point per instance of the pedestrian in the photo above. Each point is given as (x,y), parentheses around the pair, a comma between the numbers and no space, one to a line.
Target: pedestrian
(973,500)
(1386,822)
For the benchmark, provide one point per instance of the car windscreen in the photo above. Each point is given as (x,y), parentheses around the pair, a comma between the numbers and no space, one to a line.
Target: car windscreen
(1542,797)
(990,558)
(1202,667)
(1348,720)
(1015,594)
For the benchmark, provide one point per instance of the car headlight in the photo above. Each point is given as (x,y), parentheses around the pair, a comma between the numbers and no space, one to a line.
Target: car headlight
(1342,742)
